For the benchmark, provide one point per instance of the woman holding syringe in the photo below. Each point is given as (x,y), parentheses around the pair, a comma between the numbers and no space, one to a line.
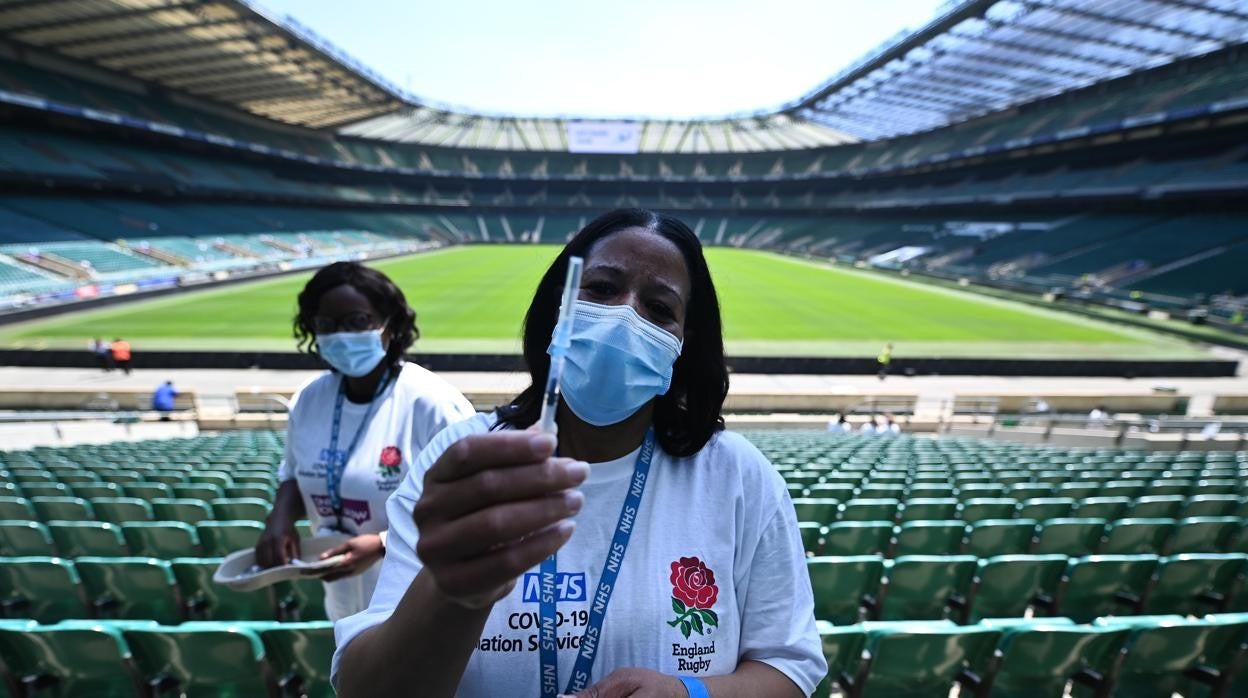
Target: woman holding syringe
(648,553)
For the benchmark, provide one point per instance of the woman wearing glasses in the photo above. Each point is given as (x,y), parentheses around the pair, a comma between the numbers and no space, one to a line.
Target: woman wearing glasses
(354,430)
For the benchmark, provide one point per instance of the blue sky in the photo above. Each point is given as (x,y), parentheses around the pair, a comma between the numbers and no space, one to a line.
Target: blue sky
(647,58)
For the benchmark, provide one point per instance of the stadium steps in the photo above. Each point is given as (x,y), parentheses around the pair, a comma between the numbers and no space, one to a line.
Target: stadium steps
(155,254)
(54,264)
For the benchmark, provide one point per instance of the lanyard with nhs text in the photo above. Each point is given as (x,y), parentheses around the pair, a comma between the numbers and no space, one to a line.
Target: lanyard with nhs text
(335,464)
(547,649)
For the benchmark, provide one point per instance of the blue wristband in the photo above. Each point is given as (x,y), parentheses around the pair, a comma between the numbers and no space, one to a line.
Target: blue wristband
(694,687)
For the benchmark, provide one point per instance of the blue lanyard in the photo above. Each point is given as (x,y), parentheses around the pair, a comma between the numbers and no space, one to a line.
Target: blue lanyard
(547,649)
(336,464)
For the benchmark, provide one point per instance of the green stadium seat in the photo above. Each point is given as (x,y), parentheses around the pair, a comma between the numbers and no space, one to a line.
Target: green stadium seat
(976,510)
(166,477)
(930,509)
(1168,655)
(1211,505)
(1194,584)
(1205,488)
(857,538)
(88,539)
(1044,508)
(1137,536)
(869,510)
(1108,508)
(1039,656)
(882,490)
(121,477)
(16,509)
(931,490)
(204,600)
(30,490)
(301,600)
(844,585)
(131,588)
(45,589)
(250,491)
(62,509)
(982,490)
(1158,507)
(1104,585)
(992,537)
(921,660)
(1025,491)
(1006,585)
(190,511)
(823,490)
(818,510)
(71,659)
(25,538)
(122,509)
(1081,492)
(220,538)
(1168,487)
(201,659)
(202,490)
(811,532)
(161,539)
(1124,488)
(97,489)
(240,509)
(929,538)
(300,655)
(1203,534)
(842,650)
(1072,537)
(927,587)
(220,478)
(30,476)
(149,491)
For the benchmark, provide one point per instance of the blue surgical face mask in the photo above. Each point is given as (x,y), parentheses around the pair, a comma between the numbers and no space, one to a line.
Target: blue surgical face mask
(353,354)
(617,361)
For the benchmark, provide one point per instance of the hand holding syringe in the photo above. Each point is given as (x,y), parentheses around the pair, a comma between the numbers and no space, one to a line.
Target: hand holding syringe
(496,504)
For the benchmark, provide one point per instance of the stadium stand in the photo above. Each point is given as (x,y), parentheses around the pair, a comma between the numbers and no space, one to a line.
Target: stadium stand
(1083,556)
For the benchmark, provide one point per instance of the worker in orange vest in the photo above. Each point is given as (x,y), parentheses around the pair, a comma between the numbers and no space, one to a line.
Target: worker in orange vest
(121,354)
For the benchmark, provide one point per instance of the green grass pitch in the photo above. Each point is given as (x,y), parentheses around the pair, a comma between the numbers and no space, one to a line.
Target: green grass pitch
(472,299)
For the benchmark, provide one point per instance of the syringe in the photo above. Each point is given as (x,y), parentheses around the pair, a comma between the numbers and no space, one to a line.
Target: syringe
(559,344)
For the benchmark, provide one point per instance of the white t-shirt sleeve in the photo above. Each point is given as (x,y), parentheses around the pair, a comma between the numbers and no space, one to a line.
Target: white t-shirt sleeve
(778,623)
(400,565)
(286,469)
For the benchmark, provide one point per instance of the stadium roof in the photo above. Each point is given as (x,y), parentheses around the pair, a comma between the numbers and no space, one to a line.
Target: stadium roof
(984,55)
(221,50)
(976,57)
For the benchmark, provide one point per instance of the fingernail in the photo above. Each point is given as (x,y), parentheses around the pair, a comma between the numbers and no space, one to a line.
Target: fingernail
(542,444)
(573,500)
(565,527)
(577,469)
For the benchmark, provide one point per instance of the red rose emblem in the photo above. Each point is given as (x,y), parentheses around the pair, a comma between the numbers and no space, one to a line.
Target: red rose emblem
(694,583)
(391,456)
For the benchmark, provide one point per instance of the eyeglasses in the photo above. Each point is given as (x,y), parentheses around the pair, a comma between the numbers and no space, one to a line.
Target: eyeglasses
(351,322)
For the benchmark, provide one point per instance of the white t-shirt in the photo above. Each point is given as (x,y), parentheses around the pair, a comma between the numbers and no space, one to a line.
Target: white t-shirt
(723,514)
(413,408)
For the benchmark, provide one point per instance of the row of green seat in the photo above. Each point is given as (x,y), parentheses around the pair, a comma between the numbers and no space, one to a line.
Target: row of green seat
(257,487)
(121,509)
(979,485)
(829,509)
(1066,536)
(1138,657)
(148,538)
(134,474)
(53,589)
(965,588)
(137,659)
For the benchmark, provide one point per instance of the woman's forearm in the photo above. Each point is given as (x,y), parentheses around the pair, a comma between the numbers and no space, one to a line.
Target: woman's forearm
(751,680)
(287,504)
(421,649)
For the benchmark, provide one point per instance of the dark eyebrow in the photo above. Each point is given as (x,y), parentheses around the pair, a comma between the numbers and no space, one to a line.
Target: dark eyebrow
(614,270)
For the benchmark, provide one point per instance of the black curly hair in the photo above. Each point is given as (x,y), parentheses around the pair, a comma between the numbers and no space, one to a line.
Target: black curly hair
(382,293)
(689,413)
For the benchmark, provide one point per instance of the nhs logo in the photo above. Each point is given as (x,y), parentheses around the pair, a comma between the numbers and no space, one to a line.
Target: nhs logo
(569,586)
